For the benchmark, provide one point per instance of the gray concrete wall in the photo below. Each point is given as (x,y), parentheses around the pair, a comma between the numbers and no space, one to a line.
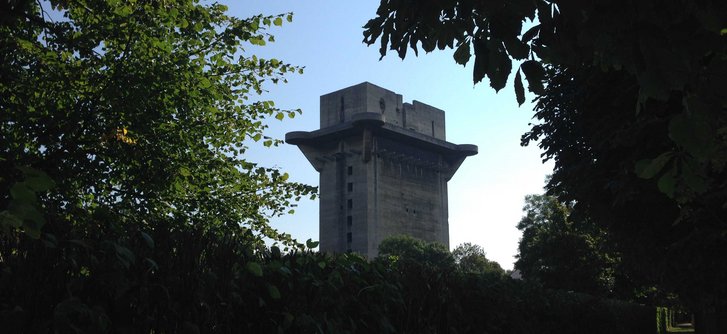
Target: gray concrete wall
(411,194)
(343,194)
(329,202)
(425,119)
(339,106)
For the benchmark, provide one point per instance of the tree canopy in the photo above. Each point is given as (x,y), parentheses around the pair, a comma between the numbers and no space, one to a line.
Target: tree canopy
(561,254)
(126,193)
(631,96)
(471,258)
(137,111)
(562,249)
(408,252)
(674,244)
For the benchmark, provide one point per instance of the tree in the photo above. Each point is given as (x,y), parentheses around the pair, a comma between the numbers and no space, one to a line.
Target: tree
(672,244)
(407,251)
(645,157)
(471,258)
(140,108)
(562,254)
(123,134)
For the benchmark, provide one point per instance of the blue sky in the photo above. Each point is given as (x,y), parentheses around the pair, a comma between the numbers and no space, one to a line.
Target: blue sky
(485,196)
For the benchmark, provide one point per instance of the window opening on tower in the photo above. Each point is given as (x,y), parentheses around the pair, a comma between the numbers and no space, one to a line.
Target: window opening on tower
(341,113)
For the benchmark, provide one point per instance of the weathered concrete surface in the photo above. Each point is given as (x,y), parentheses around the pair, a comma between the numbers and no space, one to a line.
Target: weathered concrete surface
(384,167)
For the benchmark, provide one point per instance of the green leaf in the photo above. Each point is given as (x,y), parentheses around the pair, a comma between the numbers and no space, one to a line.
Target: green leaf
(273,291)
(254,268)
(275,251)
(667,183)
(37,180)
(9,219)
(535,74)
(285,270)
(648,168)
(519,90)
(25,44)
(516,48)
(257,41)
(123,11)
(152,264)
(278,21)
(148,240)
(482,61)
(21,192)
(124,255)
(462,54)
(532,32)
(500,65)
(178,186)
(311,244)
(279,116)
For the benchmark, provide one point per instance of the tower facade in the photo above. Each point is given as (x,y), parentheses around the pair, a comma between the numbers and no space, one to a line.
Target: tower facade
(384,167)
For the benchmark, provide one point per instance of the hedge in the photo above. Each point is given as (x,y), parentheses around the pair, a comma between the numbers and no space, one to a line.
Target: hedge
(197,283)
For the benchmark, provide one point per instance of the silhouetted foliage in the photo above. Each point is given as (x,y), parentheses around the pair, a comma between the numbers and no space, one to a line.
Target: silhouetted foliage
(674,245)
(633,115)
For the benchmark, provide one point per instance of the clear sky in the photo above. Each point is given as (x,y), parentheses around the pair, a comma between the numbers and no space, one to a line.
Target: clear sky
(485,196)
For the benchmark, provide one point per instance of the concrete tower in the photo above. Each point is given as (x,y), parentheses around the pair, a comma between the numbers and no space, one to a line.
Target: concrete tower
(384,167)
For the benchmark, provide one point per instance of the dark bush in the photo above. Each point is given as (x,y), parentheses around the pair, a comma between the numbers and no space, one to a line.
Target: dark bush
(179,279)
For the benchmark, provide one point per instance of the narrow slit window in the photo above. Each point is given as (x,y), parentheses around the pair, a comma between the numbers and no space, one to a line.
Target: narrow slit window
(350,187)
(349,237)
(341,113)
(349,221)
(350,170)
(350,204)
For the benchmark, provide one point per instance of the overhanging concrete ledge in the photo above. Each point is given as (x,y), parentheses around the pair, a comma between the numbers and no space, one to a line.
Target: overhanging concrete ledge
(375,123)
